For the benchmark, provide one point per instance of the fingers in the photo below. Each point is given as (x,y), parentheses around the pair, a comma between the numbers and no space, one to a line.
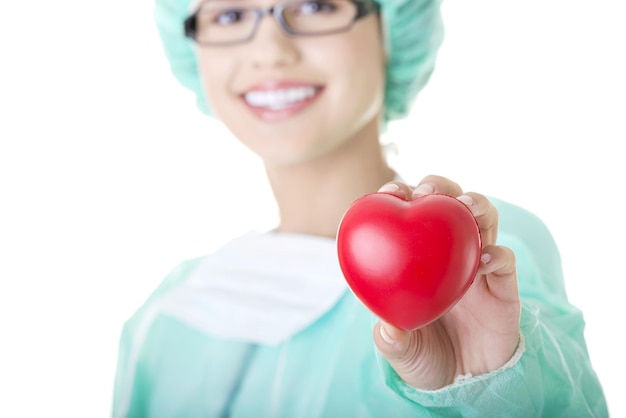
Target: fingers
(498,266)
(486,216)
(437,184)
(428,185)
(483,210)
(398,189)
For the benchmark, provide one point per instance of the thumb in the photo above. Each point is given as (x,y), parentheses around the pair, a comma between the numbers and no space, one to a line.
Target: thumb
(392,342)
(420,364)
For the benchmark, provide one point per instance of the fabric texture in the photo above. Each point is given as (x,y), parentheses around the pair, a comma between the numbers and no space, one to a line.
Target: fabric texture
(263,305)
(413,33)
(169,367)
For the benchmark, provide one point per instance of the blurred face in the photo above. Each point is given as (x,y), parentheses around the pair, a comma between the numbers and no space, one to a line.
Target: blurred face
(292,99)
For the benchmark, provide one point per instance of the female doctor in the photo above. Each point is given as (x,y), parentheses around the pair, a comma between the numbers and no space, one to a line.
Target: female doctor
(265,326)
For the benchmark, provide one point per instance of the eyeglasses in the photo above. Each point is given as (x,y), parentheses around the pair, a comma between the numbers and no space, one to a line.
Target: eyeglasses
(219,22)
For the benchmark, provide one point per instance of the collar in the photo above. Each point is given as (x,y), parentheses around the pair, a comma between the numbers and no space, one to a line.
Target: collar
(260,288)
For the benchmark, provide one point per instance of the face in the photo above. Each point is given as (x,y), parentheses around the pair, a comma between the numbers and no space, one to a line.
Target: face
(292,99)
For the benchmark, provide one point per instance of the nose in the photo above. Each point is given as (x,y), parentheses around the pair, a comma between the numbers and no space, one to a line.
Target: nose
(272,46)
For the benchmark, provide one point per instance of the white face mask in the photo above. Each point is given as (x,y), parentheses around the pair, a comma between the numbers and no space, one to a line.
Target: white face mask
(260,288)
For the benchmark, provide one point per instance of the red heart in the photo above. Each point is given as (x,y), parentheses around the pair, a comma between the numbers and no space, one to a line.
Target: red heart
(409,262)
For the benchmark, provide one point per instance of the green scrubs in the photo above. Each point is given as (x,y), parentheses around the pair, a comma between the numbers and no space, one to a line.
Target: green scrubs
(170,369)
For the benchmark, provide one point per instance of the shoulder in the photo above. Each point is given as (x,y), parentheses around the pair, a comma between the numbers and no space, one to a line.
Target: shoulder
(523,224)
(154,305)
(536,251)
(517,220)
(176,275)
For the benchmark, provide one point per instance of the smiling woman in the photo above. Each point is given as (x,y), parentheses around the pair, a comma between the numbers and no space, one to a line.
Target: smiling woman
(309,86)
(275,65)
(110,176)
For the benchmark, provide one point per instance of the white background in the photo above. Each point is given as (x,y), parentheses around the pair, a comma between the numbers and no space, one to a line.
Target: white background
(109,176)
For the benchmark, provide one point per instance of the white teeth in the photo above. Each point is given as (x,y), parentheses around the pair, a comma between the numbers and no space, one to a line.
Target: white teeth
(279,99)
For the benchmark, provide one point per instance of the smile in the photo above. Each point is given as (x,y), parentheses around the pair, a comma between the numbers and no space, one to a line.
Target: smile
(280,102)
(279,99)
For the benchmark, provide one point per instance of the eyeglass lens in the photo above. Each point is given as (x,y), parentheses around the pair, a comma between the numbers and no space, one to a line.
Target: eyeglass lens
(220,21)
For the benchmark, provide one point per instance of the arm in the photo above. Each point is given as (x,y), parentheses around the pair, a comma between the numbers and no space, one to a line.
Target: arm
(549,373)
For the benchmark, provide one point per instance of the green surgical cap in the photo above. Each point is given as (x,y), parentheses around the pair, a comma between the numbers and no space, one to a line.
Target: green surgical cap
(413,34)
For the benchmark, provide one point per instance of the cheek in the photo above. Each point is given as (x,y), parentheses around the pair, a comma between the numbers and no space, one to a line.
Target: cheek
(357,81)
(355,60)
(370,59)
(216,73)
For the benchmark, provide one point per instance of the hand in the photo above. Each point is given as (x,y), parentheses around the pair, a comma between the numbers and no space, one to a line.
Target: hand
(481,332)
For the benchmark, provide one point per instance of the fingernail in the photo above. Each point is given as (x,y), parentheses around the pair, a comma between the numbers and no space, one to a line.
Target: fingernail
(467,200)
(386,337)
(389,188)
(485,258)
(423,189)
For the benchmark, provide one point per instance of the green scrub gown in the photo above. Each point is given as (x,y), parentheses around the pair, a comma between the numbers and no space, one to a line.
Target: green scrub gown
(169,368)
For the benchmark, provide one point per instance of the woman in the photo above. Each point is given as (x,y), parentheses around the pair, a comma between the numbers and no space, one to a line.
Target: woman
(266,327)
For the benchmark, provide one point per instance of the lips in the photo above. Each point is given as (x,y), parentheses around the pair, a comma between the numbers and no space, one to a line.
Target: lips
(279,100)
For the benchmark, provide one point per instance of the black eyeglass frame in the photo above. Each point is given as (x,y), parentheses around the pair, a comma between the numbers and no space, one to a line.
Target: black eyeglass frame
(363,8)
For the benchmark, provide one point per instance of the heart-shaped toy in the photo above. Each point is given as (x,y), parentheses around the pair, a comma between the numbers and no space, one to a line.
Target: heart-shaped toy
(409,262)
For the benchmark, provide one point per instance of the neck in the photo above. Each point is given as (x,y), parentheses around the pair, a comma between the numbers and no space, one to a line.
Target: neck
(313,195)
